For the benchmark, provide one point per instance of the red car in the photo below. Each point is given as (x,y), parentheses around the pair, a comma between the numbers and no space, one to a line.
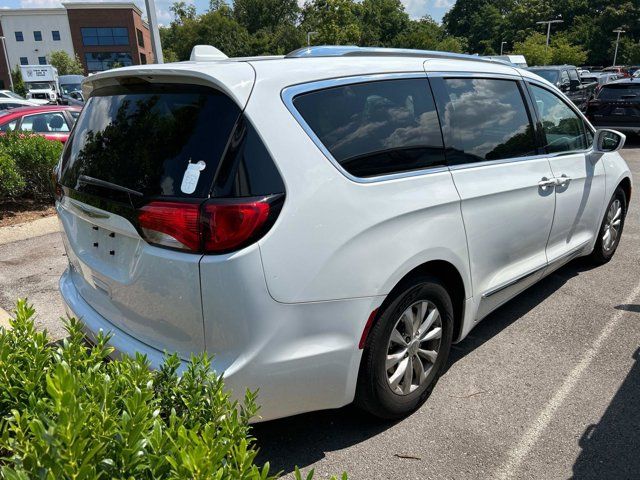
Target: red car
(622,72)
(54,122)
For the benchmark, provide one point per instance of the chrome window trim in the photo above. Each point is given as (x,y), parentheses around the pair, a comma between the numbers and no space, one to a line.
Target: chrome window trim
(488,163)
(480,75)
(289,93)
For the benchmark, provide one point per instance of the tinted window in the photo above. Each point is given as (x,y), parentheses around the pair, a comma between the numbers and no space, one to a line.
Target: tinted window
(563,128)
(549,75)
(42,60)
(7,127)
(55,34)
(484,119)
(24,61)
(98,61)
(105,36)
(376,128)
(622,92)
(19,37)
(52,122)
(37,36)
(573,75)
(144,137)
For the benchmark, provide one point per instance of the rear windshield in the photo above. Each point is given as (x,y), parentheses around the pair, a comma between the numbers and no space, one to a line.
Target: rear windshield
(549,75)
(157,140)
(623,92)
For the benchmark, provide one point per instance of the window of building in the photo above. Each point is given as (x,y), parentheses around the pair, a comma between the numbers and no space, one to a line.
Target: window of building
(105,36)
(37,35)
(19,37)
(483,119)
(563,128)
(42,60)
(143,59)
(140,38)
(376,128)
(56,35)
(24,61)
(99,61)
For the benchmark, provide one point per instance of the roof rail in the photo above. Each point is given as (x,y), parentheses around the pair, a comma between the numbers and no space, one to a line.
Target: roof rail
(354,51)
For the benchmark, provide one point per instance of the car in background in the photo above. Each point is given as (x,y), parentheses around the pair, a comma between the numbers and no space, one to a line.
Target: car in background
(636,74)
(601,78)
(9,103)
(517,60)
(568,81)
(620,71)
(617,106)
(71,89)
(10,94)
(54,122)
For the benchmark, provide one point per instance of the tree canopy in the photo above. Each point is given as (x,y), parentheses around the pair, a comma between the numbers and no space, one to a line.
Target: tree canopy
(258,27)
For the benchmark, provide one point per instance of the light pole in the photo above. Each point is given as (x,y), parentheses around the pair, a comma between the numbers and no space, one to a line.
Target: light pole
(548,24)
(501,47)
(615,55)
(309,34)
(153,29)
(6,57)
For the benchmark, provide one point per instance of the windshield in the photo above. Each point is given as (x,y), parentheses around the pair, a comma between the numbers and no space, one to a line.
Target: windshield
(39,86)
(67,88)
(549,75)
(146,138)
(628,92)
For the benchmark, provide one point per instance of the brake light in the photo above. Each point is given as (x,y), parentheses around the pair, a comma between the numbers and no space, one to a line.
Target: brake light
(171,224)
(215,226)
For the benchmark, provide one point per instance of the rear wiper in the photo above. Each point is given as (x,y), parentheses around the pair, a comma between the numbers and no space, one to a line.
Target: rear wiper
(103,183)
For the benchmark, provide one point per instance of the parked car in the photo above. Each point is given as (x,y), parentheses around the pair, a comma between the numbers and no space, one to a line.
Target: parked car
(10,94)
(326,223)
(54,122)
(566,78)
(620,71)
(8,103)
(71,90)
(636,74)
(617,105)
(599,78)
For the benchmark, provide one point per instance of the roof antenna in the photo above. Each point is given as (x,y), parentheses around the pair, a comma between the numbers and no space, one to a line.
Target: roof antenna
(206,53)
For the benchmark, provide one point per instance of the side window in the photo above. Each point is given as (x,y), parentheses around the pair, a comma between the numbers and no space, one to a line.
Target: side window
(376,128)
(563,128)
(484,119)
(564,78)
(9,126)
(573,75)
(44,123)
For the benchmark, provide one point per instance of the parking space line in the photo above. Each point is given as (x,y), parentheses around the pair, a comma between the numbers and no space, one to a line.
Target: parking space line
(517,455)
(4,318)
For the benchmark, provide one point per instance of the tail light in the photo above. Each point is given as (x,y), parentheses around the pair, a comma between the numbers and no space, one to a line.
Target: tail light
(215,226)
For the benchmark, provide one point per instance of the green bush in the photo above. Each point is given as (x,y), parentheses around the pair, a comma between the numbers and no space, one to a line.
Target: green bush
(67,412)
(11,182)
(34,157)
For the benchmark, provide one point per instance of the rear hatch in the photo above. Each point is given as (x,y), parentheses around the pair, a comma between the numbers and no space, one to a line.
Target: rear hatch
(137,144)
(617,104)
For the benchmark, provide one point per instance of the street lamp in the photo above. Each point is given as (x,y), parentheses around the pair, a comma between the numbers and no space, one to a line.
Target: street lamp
(6,57)
(156,47)
(501,47)
(615,55)
(548,23)
(309,35)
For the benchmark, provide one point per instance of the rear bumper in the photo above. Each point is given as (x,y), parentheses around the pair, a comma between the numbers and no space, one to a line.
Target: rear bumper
(301,357)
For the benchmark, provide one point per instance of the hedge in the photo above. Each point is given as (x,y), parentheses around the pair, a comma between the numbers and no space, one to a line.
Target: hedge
(28,169)
(67,411)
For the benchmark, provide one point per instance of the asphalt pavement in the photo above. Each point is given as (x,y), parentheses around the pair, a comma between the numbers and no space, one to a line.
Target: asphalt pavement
(548,386)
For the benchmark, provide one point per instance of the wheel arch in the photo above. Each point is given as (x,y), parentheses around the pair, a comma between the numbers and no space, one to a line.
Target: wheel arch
(625,184)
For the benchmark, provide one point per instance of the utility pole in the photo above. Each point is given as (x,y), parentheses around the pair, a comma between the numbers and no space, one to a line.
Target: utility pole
(155,32)
(615,55)
(6,57)
(501,47)
(309,34)
(548,24)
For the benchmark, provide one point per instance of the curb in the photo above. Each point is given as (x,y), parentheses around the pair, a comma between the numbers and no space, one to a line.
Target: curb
(24,231)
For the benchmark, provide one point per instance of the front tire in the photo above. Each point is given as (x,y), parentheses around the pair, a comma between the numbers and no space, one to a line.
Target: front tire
(610,229)
(407,349)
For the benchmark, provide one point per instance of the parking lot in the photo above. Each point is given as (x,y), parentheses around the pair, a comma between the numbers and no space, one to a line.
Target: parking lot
(548,386)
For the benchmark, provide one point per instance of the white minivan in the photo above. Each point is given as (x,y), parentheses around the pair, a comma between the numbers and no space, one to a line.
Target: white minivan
(327,223)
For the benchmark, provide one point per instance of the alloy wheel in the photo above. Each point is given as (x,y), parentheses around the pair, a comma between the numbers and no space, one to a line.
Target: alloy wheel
(612,225)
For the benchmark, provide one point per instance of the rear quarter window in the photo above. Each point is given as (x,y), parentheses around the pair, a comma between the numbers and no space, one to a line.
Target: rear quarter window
(143,137)
(376,128)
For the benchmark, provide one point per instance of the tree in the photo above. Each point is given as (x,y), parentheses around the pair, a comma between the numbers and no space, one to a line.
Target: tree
(65,64)
(534,50)
(18,82)
(336,21)
(257,15)
(382,21)
(423,34)
(563,52)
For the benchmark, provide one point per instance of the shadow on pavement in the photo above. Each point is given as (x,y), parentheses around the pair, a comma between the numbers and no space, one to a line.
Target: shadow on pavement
(611,448)
(304,439)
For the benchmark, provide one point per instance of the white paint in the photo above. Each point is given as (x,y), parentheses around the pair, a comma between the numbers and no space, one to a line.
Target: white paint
(45,20)
(520,452)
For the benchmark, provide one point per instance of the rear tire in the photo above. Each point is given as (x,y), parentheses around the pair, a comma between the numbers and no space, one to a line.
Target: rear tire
(414,330)
(610,229)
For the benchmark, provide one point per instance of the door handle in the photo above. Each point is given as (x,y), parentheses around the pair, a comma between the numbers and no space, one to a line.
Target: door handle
(547,182)
(562,180)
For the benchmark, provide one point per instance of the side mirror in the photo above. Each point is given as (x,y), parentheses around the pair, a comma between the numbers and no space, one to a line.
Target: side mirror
(574,83)
(607,141)
(564,87)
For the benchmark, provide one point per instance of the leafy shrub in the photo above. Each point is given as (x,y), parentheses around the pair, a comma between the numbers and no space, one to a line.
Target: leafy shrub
(67,412)
(35,157)
(11,182)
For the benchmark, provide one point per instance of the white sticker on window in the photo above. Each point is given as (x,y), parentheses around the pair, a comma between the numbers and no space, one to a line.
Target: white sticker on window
(191,176)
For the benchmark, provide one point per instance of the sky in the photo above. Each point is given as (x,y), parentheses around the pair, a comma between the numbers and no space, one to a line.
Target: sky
(415,8)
